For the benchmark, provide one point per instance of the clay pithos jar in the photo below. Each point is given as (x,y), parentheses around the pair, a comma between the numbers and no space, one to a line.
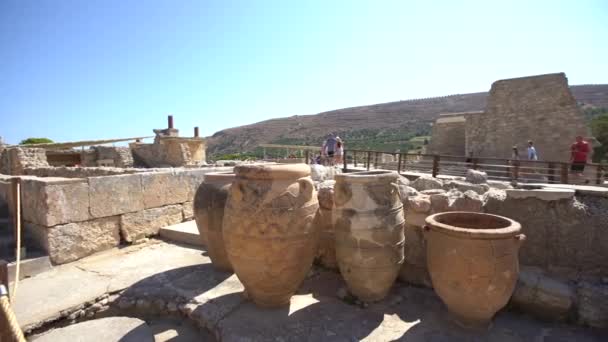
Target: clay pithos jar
(268,230)
(209,202)
(368,223)
(473,262)
(326,253)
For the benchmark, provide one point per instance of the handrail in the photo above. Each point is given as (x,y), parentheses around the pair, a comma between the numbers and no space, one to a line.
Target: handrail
(497,168)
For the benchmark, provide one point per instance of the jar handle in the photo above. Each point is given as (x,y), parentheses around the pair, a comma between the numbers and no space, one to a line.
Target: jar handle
(307,187)
(236,192)
(520,238)
(426,230)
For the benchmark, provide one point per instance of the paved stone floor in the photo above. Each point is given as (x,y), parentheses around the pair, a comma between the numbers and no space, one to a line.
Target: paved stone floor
(214,300)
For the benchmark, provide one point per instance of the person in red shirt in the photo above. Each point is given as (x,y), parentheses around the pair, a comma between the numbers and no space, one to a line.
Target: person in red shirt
(580,150)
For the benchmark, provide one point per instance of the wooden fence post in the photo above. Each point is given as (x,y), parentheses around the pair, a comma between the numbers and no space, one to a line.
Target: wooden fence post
(516,171)
(344,156)
(355,158)
(399,164)
(307,156)
(551,172)
(475,161)
(376,160)
(435,165)
(564,178)
(369,157)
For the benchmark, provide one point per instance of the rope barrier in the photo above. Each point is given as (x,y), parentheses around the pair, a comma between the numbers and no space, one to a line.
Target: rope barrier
(8,316)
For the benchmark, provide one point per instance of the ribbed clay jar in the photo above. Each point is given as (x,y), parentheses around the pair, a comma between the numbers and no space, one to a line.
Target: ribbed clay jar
(326,253)
(209,202)
(369,222)
(268,230)
(473,262)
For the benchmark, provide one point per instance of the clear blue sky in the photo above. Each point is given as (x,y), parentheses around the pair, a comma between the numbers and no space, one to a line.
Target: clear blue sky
(88,69)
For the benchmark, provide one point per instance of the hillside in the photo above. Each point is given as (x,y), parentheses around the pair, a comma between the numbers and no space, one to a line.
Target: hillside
(386,126)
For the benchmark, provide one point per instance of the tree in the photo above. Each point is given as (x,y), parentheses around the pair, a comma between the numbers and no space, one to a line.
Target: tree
(599,128)
(32,141)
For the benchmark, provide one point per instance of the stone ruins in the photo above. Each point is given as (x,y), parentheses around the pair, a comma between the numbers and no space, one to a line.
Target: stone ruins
(539,108)
(129,241)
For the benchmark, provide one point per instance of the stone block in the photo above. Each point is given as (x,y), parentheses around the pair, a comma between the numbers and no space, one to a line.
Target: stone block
(455,200)
(52,201)
(542,296)
(426,183)
(164,188)
(188,210)
(542,194)
(135,226)
(115,195)
(73,241)
(464,186)
(593,304)
(476,177)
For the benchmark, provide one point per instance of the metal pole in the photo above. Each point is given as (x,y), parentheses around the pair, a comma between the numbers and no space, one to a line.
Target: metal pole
(170,121)
(369,156)
(344,155)
(399,164)
(435,165)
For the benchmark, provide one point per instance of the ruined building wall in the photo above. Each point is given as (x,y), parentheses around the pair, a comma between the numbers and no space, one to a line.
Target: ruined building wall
(15,159)
(173,152)
(121,156)
(448,136)
(540,108)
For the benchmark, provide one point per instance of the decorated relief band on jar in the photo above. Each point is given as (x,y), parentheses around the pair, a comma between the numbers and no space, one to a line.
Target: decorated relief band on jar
(268,230)
(369,225)
(209,202)
(473,262)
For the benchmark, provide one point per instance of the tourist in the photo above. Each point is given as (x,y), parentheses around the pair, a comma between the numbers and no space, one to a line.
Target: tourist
(532,155)
(329,148)
(515,153)
(578,156)
(339,151)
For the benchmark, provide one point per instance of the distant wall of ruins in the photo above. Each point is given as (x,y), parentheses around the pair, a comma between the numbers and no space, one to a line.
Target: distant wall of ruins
(448,135)
(170,152)
(14,160)
(539,108)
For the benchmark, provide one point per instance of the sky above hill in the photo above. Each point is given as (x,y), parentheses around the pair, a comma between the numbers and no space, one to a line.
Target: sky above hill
(75,70)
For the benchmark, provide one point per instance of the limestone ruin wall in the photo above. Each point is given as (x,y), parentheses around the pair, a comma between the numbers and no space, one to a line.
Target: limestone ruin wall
(539,108)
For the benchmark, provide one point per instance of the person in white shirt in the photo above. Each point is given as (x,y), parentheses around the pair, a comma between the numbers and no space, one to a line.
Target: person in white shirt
(532,155)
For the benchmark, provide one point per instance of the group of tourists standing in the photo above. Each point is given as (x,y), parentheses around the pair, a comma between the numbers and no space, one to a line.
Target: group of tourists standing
(332,151)
(579,154)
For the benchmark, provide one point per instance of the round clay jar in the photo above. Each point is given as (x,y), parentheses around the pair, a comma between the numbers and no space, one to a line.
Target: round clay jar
(209,202)
(473,262)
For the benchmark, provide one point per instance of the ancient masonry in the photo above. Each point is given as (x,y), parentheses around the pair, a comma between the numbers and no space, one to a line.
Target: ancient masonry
(539,108)
(449,134)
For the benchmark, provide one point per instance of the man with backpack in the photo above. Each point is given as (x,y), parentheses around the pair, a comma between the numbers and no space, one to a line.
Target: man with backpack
(330,147)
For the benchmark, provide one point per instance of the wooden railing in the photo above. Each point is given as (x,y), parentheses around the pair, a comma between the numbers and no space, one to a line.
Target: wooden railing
(528,171)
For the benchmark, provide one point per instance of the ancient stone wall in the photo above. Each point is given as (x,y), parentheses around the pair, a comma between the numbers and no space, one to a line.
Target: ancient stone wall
(15,159)
(539,108)
(170,152)
(78,172)
(71,218)
(448,136)
(121,156)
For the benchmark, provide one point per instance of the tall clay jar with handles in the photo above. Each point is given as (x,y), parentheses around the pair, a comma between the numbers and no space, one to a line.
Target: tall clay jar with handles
(368,224)
(473,262)
(209,202)
(268,230)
